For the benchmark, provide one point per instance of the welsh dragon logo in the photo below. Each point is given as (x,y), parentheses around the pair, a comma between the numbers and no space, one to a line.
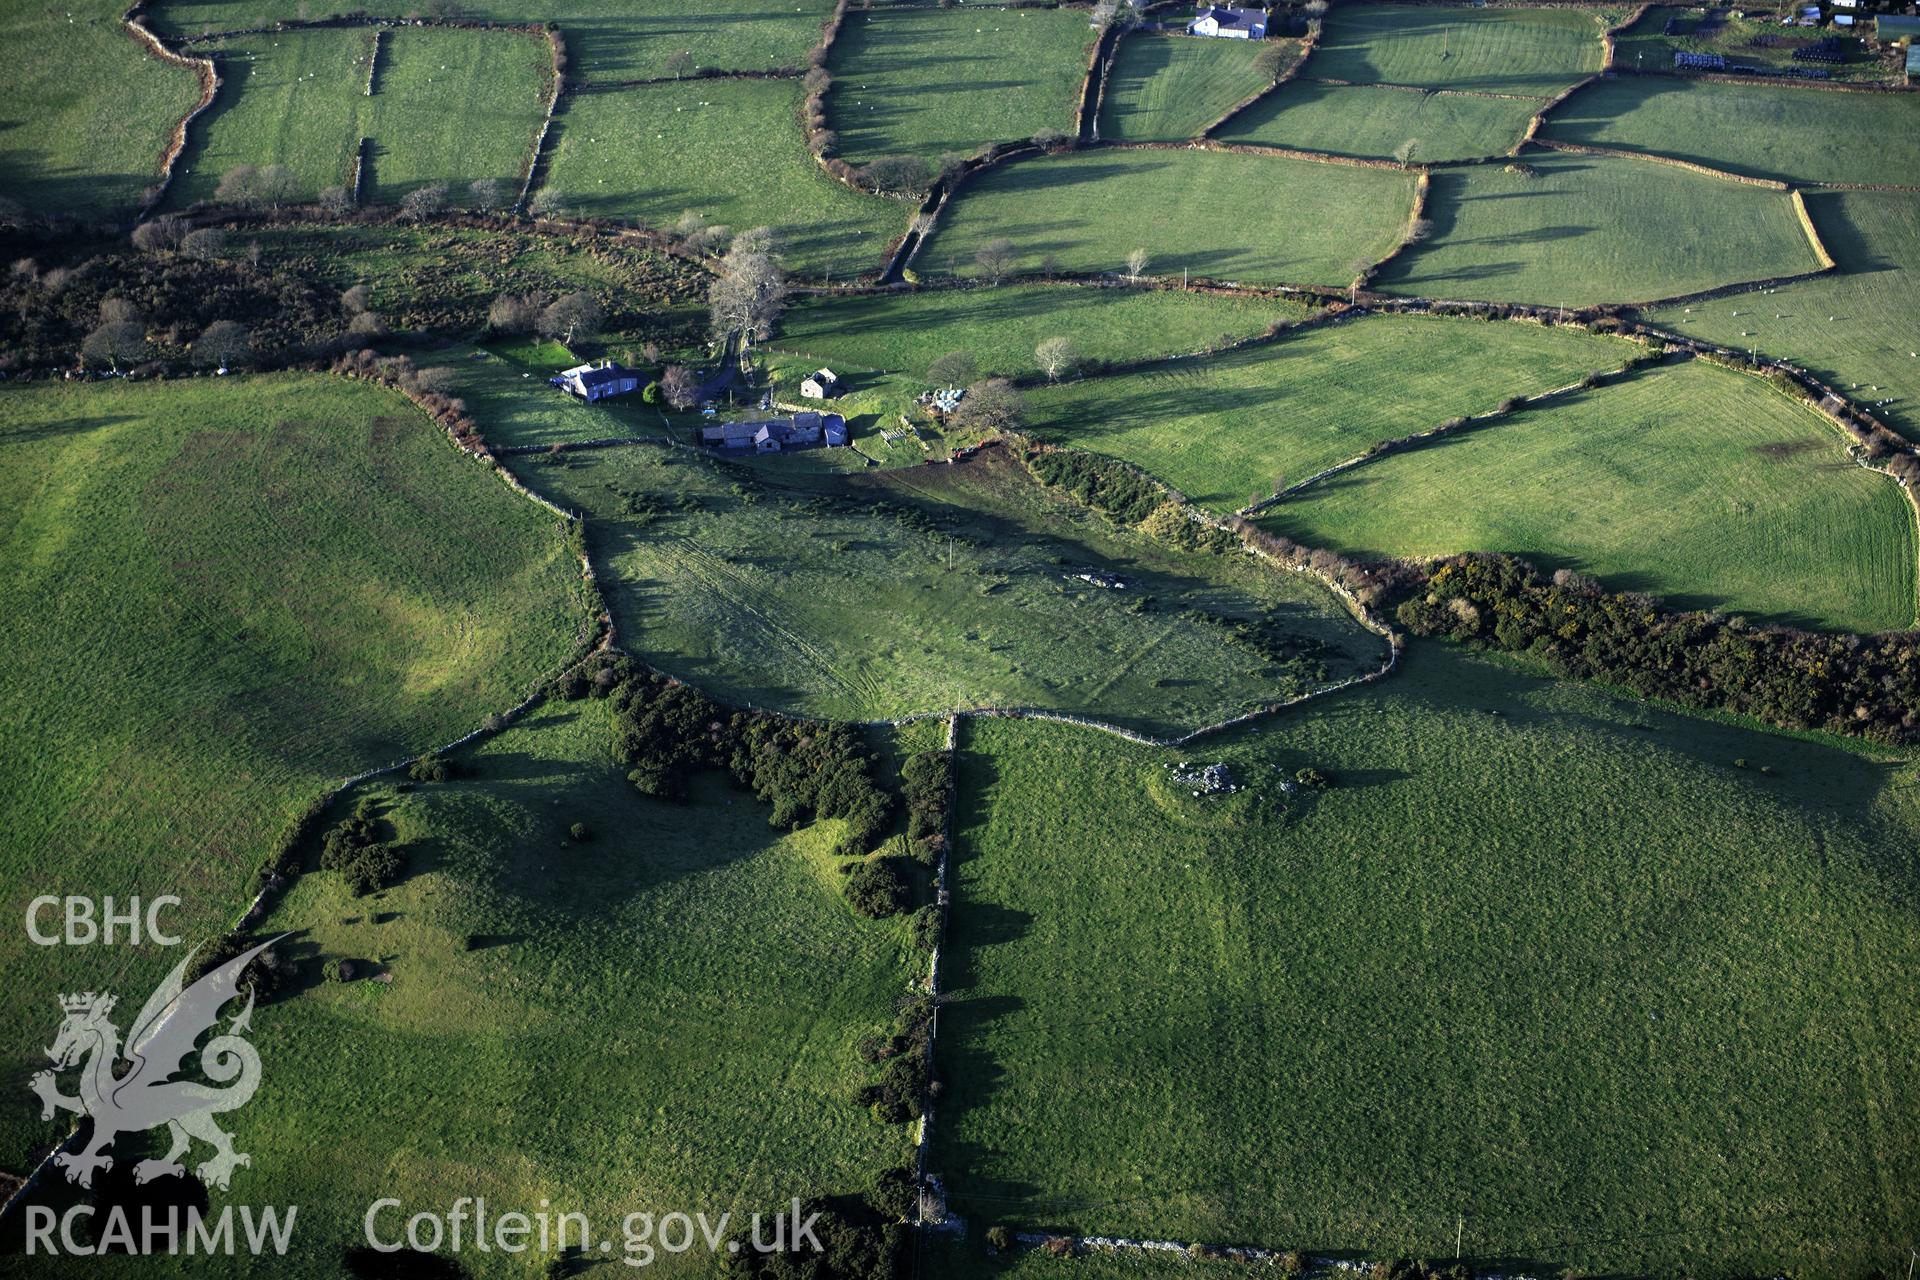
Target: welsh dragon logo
(147,1095)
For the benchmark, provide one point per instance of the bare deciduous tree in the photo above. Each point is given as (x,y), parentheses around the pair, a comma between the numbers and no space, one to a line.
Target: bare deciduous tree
(993,405)
(1056,356)
(1137,264)
(424,202)
(1273,59)
(1049,138)
(1404,153)
(576,315)
(205,243)
(896,175)
(751,290)
(954,369)
(680,385)
(484,193)
(162,235)
(513,313)
(698,234)
(237,185)
(335,200)
(221,344)
(114,341)
(358,298)
(679,63)
(995,260)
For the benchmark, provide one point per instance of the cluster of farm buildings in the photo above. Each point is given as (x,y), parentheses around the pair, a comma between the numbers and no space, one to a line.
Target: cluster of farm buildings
(607,379)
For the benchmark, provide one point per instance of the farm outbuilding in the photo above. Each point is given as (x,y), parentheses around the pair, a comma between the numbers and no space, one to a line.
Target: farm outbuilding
(821,384)
(1229,24)
(1888,27)
(769,435)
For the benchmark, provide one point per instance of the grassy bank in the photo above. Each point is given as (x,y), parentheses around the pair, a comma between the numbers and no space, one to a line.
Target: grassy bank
(227,594)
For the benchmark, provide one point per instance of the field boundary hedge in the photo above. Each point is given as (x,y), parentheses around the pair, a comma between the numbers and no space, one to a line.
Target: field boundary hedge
(357,176)
(1264,149)
(1423,90)
(536,160)
(1422,186)
(1453,426)
(1826,259)
(927,218)
(134,20)
(373,59)
(1093,86)
(931,1205)
(1780,82)
(1616,153)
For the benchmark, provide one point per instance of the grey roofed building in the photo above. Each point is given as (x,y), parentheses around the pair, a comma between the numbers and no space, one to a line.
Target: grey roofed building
(769,434)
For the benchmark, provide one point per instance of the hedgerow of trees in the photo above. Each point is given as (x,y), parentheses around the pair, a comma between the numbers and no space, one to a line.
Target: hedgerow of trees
(665,731)
(1868,686)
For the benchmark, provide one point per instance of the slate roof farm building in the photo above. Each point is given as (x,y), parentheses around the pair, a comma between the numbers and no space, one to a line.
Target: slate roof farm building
(820,384)
(597,381)
(768,435)
(1229,24)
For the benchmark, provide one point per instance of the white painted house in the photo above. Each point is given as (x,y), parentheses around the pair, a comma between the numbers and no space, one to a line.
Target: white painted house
(1229,24)
(598,381)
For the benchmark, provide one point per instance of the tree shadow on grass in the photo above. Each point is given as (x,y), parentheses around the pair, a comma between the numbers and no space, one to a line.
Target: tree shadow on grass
(54,428)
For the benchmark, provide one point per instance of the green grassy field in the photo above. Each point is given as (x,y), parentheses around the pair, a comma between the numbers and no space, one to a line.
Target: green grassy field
(607,40)
(1541,958)
(1221,429)
(881,345)
(1258,219)
(924,81)
(1374,123)
(1855,328)
(1585,229)
(1526,51)
(730,151)
(1692,482)
(1763,131)
(66,147)
(448,106)
(927,589)
(226,595)
(662,1018)
(506,390)
(1169,88)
